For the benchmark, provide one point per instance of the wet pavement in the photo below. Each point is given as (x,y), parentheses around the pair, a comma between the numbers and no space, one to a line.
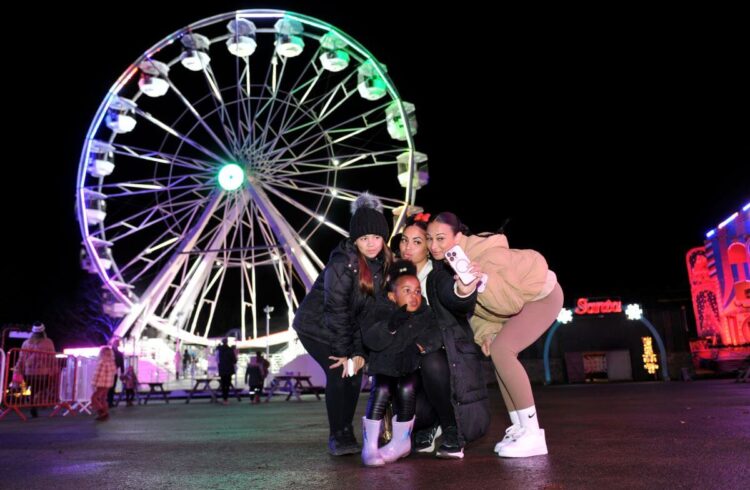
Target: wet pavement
(630,435)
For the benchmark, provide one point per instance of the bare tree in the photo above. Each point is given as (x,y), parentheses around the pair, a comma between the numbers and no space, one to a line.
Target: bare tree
(82,319)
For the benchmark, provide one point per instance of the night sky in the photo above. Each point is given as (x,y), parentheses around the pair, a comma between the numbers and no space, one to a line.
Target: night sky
(616,109)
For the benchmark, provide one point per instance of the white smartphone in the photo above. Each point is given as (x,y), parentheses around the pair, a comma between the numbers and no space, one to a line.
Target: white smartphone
(460,263)
(350,367)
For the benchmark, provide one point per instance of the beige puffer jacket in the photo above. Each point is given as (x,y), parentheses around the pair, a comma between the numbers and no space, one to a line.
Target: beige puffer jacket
(515,277)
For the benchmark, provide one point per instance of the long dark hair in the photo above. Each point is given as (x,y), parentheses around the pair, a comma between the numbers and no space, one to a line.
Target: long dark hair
(450,219)
(366,284)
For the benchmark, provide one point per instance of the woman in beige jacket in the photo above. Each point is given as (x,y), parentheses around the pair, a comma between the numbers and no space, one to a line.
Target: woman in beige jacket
(519,302)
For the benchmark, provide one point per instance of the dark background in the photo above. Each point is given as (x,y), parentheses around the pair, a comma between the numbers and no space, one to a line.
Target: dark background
(616,139)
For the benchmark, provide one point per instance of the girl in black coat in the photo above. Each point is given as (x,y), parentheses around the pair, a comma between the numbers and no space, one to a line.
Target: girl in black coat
(396,332)
(328,320)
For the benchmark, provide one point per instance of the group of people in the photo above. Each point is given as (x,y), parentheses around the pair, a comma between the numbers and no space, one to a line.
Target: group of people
(421,332)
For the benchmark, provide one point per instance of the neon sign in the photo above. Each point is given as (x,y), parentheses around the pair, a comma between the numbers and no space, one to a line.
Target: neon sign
(649,356)
(586,307)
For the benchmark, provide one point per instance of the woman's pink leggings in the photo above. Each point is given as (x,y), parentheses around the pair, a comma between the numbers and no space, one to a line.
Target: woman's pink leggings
(518,333)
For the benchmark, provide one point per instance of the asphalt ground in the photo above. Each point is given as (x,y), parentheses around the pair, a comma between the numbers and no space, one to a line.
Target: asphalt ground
(629,435)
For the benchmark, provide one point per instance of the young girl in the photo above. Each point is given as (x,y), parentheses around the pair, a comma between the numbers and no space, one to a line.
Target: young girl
(104,379)
(328,320)
(397,331)
(130,384)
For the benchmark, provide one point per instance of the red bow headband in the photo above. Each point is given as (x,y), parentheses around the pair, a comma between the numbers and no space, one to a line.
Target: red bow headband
(422,217)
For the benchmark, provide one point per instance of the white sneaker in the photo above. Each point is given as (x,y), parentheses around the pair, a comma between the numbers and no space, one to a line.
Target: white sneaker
(524,444)
(510,432)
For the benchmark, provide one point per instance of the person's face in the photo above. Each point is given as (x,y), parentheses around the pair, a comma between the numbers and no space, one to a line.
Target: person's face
(408,292)
(440,238)
(369,245)
(413,245)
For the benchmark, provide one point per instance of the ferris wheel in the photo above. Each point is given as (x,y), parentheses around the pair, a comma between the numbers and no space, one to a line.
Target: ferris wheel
(230,151)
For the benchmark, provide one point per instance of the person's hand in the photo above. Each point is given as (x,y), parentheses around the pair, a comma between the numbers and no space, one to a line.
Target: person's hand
(466,289)
(421,349)
(359,363)
(397,319)
(340,362)
(486,343)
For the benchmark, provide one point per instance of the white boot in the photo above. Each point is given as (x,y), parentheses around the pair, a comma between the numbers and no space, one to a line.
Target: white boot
(400,444)
(370,434)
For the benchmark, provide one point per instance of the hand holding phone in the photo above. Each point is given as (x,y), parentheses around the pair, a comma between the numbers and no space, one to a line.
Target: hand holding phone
(460,263)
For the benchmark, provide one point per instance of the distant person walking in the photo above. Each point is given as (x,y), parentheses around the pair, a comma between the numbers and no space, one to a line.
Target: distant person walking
(255,375)
(38,368)
(104,379)
(227,359)
(119,368)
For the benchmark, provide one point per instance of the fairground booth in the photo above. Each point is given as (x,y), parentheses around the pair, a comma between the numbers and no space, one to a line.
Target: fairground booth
(719,273)
(603,339)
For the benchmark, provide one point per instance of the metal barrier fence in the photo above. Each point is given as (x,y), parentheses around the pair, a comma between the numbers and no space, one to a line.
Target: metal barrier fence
(2,377)
(35,381)
(81,381)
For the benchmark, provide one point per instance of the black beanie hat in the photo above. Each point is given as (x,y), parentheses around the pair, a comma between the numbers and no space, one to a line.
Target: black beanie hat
(367,218)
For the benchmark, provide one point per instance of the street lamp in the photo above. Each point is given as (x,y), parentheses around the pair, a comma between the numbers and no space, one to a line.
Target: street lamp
(268,310)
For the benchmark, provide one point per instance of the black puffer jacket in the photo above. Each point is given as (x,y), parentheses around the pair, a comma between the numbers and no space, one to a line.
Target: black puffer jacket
(332,310)
(468,386)
(397,354)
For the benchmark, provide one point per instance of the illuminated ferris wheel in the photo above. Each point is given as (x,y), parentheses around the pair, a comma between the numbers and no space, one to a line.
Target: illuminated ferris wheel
(231,150)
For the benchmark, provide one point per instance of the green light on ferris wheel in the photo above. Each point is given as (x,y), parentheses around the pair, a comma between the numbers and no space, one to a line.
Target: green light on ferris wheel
(231,177)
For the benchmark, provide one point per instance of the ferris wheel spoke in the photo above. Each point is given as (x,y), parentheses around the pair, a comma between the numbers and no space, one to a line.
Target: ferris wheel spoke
(319,109)
(162,158)
(322,219)
(338,193)
(226,121)
(340,129)
(149,217)
(243,94)
(323,106)
(220,107)
(152,186)
(168,129)
(161,242)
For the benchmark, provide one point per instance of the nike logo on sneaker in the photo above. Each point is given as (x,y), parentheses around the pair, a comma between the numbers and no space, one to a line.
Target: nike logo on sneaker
(532,415)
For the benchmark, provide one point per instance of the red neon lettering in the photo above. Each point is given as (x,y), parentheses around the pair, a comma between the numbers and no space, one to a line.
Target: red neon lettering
(584,307)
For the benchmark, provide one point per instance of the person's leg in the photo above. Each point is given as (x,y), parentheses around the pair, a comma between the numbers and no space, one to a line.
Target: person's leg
(515,422)
(403,421)
(406,393)
(338,399)
(111,394)
(426,424)
(352,389)
(226,380)
(436,380)
(435,375)
(99,402)
(425,415)
(517,334)
(380,395)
